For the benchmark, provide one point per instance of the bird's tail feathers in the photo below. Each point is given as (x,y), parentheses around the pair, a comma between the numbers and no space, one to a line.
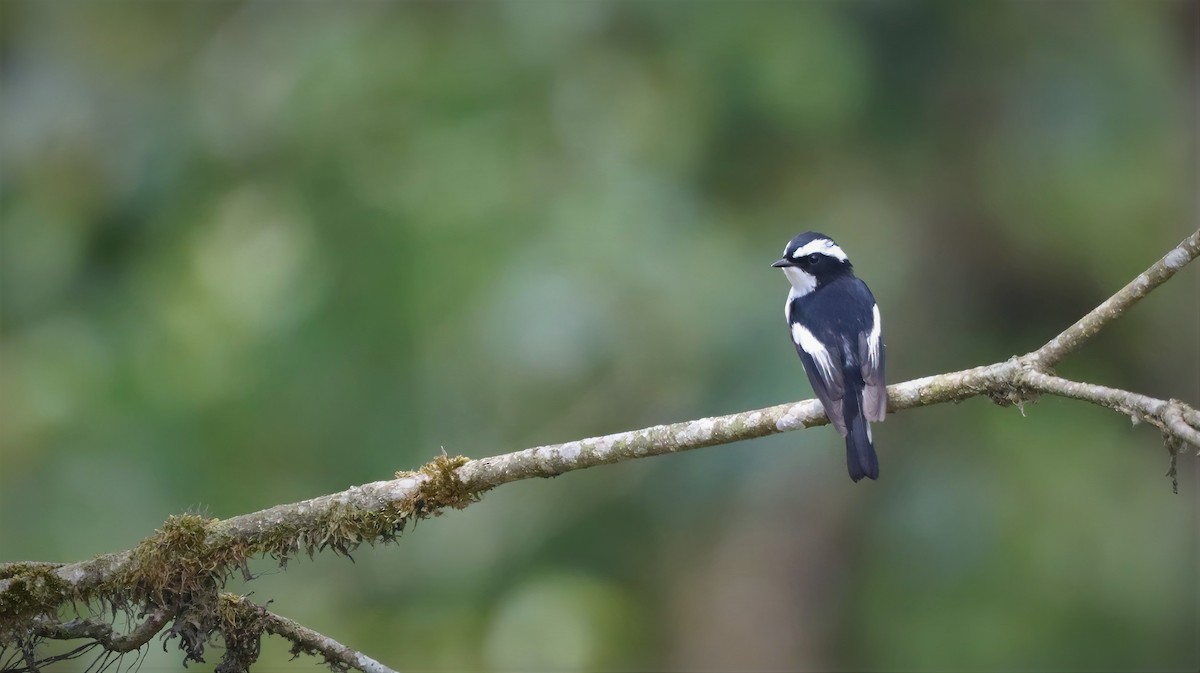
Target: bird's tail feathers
(860,452)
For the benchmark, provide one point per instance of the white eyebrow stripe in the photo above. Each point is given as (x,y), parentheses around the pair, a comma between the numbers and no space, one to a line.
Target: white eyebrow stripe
(815,349)
(873,337)
(823,246)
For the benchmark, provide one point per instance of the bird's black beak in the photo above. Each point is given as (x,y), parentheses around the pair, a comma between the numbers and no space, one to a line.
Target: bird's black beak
(784,262)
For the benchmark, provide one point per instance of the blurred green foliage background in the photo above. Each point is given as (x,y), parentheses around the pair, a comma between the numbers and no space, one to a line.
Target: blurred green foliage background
(254,252)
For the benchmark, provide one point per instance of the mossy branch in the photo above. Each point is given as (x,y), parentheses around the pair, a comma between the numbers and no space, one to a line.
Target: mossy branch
(181,569)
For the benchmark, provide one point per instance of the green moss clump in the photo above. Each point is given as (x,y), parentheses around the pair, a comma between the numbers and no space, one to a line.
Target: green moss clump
(33,589)
(443,488)
(241,624)
(343,528)
(178,570)
(175,560)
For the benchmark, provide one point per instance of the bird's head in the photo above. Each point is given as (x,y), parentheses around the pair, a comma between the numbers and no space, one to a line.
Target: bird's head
(811,260)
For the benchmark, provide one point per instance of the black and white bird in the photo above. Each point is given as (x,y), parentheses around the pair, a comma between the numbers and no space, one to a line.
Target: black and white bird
(834,322)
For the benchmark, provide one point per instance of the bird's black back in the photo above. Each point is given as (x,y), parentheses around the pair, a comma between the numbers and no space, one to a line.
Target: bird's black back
(838,308)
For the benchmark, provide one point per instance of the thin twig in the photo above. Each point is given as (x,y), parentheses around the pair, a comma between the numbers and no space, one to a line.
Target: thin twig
(102,632)
(307,640)
(1116,306)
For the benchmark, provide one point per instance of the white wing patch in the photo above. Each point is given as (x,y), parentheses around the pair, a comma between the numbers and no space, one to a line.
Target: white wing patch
(873,338)
(815,349)
(823,246)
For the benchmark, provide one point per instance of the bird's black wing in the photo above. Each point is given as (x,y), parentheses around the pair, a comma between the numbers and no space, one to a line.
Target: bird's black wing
(827,382)
(871,355)
(875,390)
